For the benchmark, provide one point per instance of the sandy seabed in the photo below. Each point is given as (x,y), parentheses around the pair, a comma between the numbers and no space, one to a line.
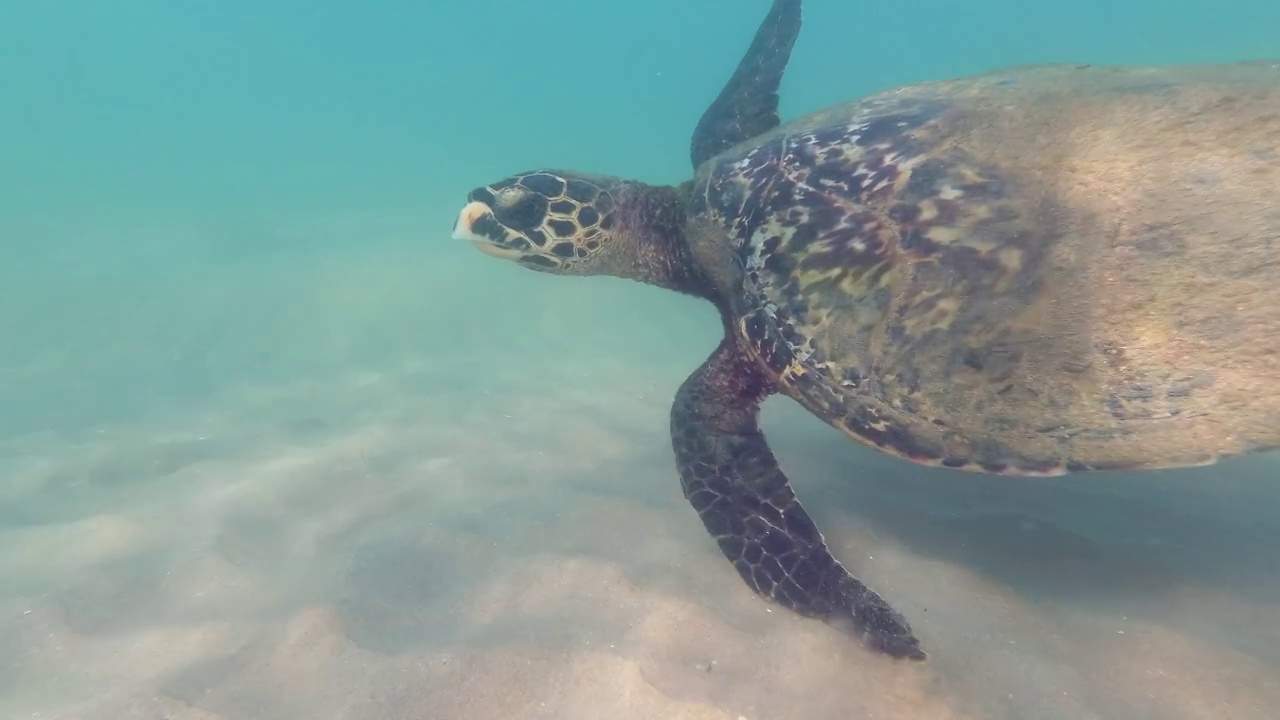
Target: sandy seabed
(484,537)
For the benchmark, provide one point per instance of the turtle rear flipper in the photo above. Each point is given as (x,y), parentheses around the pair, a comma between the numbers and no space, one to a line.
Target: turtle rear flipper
(748,104)
(732,479)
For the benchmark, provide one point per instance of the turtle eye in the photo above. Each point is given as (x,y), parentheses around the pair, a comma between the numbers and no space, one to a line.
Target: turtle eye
(520,209)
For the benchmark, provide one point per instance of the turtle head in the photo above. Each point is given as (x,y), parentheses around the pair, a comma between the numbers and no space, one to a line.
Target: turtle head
(571,223)
(547,220)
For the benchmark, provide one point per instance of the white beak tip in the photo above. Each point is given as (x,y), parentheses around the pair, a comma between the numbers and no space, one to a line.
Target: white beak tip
(466,219)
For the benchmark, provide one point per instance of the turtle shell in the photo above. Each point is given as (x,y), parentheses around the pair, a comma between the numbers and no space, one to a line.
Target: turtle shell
(1034,271)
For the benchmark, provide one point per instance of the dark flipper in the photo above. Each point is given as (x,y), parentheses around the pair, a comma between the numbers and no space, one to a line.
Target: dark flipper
(748,104)
(733,481)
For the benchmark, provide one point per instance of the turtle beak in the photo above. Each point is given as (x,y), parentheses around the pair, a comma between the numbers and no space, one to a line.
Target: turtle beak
(476,224)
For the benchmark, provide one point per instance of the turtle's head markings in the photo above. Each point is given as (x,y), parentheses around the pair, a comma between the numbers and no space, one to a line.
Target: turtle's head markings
(546,220)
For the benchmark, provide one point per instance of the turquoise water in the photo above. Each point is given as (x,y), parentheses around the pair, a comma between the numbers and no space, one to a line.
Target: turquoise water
(273,446)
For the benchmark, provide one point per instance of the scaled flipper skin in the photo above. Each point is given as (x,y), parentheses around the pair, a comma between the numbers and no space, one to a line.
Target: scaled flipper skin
(748,104)
(727,470)
(733,481)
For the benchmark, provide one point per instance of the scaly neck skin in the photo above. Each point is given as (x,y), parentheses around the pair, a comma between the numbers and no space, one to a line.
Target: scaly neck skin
(650,244)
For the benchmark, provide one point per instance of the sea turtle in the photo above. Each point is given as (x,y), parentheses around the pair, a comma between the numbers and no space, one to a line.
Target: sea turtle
(1032,271)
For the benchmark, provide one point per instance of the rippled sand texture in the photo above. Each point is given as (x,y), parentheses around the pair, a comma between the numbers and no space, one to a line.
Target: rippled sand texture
(492,529)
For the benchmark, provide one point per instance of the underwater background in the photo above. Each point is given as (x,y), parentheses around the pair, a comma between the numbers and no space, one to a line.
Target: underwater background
(272,445)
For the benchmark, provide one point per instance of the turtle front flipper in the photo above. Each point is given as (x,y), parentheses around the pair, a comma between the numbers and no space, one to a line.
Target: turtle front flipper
(748,104)
(731,478)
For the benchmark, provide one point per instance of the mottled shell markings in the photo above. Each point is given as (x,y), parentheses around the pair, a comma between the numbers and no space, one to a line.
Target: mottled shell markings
(805,214)
(872,232)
